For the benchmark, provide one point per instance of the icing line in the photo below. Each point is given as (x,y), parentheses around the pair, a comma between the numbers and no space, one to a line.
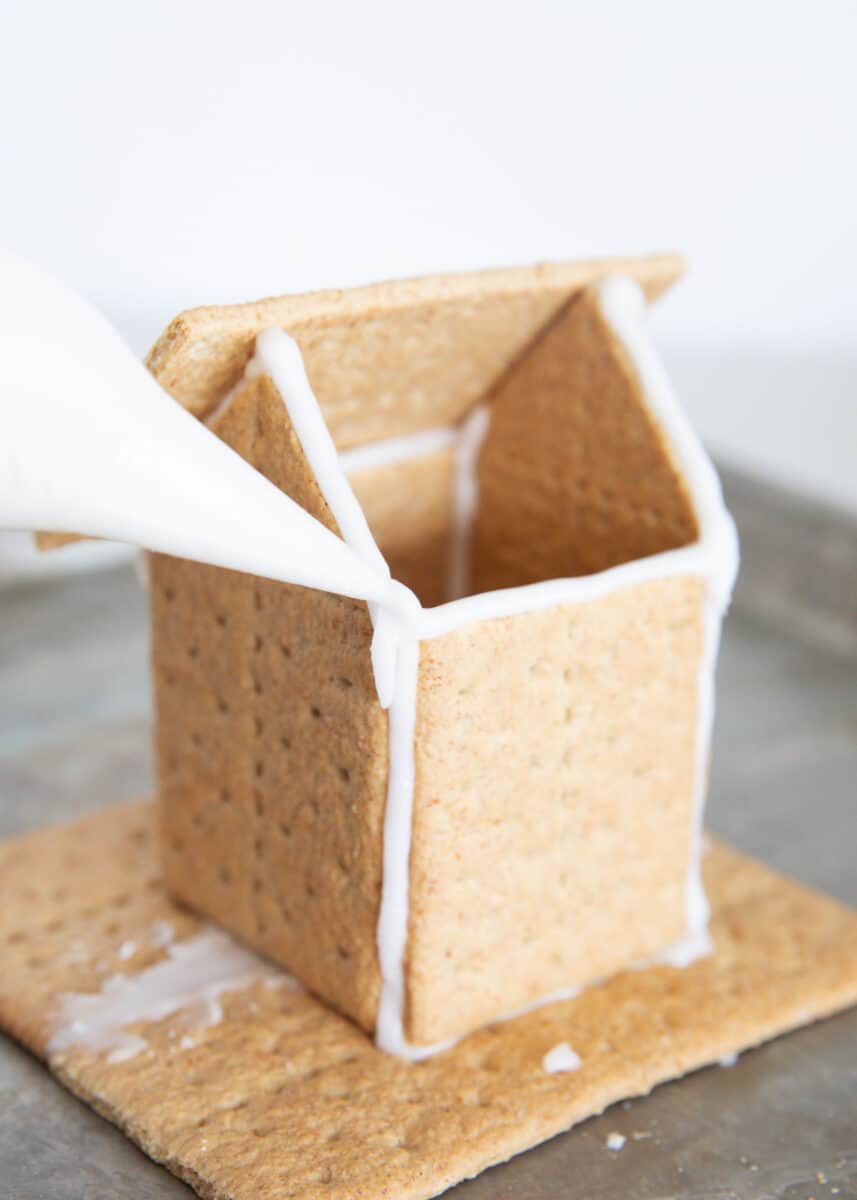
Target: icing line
(391,451)
(277,356)
(623,307)
(195,974)
(392,934)
(465,498)
(434,622)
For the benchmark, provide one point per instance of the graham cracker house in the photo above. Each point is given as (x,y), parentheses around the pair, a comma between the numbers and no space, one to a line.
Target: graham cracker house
(525,817)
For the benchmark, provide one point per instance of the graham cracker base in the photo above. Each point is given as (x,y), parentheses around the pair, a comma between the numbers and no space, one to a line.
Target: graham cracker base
(283,1098)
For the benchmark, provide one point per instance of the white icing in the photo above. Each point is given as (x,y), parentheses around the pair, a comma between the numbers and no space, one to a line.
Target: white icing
(561,1058)
(615,1141)
(557,997)
(192,978)
(392,451)
(465,499)
(552,593)
(277,355)
(695,943)
(623,306)
(393,918)
(728,1060)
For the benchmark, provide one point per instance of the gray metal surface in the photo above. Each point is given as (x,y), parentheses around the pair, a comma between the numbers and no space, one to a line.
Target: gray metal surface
(74,734)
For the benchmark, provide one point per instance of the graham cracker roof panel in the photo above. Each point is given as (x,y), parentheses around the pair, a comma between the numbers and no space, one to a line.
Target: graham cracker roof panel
(390,358)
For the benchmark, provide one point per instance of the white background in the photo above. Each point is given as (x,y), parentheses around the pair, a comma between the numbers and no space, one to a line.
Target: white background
(164,154)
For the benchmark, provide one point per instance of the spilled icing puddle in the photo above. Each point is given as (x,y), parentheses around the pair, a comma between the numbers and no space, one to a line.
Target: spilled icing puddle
(192,978)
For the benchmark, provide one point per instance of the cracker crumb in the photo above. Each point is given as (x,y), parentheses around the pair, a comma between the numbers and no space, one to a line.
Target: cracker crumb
(561,1058)
(615,1141)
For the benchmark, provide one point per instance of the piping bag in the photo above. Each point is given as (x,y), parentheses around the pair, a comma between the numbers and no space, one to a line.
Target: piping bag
(90,443)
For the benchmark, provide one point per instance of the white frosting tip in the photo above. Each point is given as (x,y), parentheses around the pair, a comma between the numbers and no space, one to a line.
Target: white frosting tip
(622,291)
(615,1141)
(728,1060)
(277,341)
(561,1058)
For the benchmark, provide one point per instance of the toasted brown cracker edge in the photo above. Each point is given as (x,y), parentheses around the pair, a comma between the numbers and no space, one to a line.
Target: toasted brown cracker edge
(284,1098)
